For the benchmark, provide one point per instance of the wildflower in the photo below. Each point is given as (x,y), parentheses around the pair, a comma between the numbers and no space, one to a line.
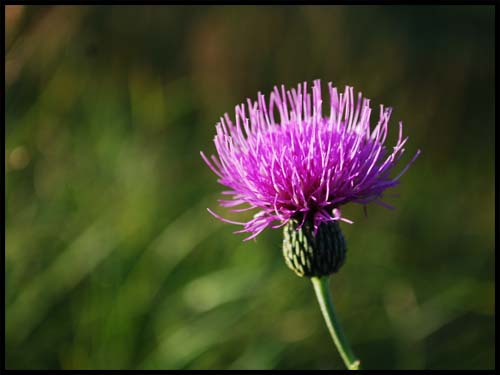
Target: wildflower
(300,165)
(298,170)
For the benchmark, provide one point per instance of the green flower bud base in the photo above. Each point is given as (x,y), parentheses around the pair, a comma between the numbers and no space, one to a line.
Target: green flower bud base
(310,255)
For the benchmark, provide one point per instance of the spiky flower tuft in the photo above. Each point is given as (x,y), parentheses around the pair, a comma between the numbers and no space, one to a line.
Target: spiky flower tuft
(291,162)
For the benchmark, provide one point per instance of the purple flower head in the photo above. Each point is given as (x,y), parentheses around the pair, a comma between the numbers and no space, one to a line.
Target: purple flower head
(289,161)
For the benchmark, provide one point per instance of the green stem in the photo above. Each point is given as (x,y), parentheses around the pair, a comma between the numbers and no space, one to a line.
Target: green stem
(325,302)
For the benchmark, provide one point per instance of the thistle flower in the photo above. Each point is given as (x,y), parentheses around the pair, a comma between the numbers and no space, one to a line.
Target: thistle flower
(298,170)
(302,165)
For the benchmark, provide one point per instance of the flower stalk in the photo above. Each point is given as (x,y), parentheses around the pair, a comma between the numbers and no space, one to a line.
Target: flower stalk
(325,302)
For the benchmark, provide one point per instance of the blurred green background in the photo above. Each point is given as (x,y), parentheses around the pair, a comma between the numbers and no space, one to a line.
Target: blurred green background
(111,258)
